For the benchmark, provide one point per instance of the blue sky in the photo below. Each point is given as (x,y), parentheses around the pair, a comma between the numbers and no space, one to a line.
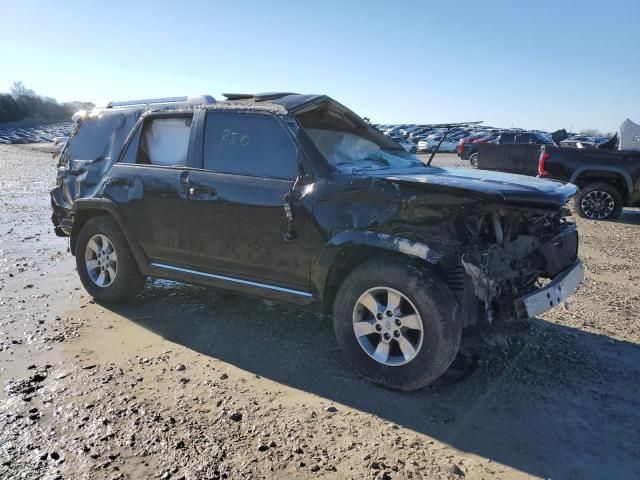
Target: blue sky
(532,64)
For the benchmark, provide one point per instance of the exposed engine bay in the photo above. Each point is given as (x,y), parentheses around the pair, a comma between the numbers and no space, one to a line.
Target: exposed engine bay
(509,254)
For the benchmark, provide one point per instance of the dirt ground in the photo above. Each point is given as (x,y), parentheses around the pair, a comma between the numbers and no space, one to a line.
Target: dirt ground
(188,382)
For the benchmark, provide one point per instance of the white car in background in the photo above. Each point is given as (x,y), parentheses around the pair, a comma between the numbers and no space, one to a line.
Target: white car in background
(430,143)
(406,144)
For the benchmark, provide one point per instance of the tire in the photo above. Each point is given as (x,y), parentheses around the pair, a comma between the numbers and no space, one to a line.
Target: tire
(121,278)
(473,160)
(435,347)
(599,201)
(413,150)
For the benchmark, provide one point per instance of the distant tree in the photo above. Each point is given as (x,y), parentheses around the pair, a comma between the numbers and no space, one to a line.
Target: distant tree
(77,106)
(23,103)
(10,110)
(19,90)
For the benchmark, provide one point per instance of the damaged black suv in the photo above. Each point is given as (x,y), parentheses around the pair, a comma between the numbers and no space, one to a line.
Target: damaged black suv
(296,198)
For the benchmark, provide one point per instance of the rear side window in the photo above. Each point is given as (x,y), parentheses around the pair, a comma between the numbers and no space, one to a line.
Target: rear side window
(99,137)
(165,141)
(250,144)
(524,138)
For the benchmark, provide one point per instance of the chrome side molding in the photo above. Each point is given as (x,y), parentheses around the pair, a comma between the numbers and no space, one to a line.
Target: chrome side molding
(232,279)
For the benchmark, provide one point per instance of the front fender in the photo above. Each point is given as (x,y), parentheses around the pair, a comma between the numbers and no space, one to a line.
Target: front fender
(381,240)
(322,267)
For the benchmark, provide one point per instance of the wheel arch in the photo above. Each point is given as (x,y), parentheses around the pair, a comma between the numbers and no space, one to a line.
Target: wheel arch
(614,176)
(86,209)
(350,249)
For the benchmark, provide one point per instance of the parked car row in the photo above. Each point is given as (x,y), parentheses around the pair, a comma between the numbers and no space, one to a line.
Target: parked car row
(606,177)
(425,138)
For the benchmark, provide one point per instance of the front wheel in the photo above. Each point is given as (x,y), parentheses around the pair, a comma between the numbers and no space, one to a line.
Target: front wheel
(413,150)
(106,266)
(599,201)
(397,324)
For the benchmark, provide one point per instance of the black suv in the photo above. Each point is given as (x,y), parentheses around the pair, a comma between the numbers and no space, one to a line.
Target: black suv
(296,198)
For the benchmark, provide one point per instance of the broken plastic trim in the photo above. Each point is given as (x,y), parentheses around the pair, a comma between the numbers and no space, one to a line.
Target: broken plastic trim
(552,294)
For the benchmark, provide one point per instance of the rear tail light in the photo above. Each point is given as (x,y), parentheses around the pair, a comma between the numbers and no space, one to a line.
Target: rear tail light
(542,171)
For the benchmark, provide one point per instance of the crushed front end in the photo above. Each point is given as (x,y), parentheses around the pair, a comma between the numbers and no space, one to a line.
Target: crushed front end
(518,262)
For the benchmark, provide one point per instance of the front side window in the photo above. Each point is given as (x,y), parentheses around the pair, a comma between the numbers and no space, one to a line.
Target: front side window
(165,141)
(249,144)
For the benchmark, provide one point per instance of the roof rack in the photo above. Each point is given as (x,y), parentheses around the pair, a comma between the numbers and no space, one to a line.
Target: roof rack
(196,99)
(238,96)
(147,101)
(258,97)
(263,97)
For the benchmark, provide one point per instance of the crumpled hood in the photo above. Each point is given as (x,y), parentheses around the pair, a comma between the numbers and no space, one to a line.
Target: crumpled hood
(493,186)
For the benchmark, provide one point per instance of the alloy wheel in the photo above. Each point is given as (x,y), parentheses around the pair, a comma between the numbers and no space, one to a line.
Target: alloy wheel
(598,204)
(388,326)
(101,260)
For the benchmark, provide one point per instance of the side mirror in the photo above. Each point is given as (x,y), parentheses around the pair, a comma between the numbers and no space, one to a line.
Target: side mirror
(291,197)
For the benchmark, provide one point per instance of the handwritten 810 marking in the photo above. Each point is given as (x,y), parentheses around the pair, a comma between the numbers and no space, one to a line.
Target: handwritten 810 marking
(231,138)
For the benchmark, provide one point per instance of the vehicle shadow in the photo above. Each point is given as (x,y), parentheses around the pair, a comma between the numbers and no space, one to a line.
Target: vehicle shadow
(559,402)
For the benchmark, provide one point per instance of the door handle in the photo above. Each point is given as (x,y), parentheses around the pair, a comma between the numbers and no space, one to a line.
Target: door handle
(200,192)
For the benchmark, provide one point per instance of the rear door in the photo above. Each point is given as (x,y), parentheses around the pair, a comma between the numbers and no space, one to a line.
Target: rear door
(249,163)
(148,187)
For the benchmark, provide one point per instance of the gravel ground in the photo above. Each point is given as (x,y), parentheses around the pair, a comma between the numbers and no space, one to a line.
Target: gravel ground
(188,382)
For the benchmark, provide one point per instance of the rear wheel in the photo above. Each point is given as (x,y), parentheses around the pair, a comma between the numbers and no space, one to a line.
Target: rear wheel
(473,160)
(397,324)
(106,266)
(599,201)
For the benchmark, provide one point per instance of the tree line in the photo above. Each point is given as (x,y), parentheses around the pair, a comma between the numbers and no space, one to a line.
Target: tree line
(22,103)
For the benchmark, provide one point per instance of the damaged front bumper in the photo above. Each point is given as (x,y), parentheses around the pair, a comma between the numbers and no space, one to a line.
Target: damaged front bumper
(552,294)
(61,217)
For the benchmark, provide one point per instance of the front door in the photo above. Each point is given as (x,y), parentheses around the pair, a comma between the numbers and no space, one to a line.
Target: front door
(236,202)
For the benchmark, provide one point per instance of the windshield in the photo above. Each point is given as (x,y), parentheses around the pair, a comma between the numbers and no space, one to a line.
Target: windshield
(544,138)
(348,151)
